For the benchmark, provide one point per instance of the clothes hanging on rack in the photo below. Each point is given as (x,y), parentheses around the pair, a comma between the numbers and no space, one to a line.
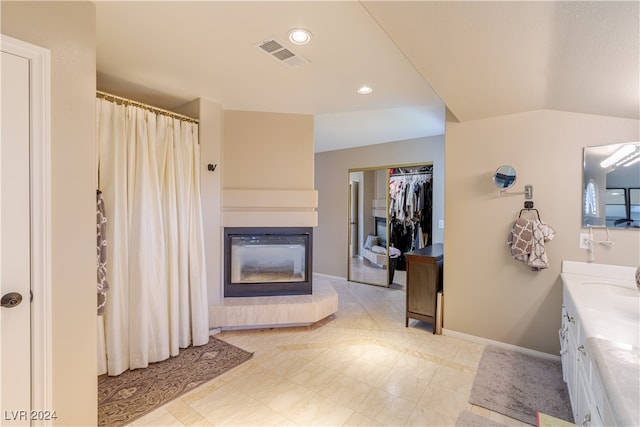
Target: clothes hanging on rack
(408,195)
(418,241)
(401,237)
(410,207)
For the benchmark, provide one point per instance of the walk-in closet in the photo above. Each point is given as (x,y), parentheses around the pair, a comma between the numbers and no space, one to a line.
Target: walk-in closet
(390,214)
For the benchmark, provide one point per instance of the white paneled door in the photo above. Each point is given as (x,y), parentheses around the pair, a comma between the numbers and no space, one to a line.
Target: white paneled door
(15,245)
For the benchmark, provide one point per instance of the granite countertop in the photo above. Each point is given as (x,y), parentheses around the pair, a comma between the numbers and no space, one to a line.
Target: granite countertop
(607,300)
(618,369)
(607,303)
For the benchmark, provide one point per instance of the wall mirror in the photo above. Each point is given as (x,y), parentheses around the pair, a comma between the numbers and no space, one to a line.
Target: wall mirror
(504,177)
(611,186)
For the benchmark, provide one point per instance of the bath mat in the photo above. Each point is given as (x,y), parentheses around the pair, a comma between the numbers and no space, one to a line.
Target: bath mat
(128,396)
(470,419)
(519,385)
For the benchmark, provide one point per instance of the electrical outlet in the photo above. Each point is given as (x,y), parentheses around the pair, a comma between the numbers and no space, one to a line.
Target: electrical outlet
(441,223)
(585,241)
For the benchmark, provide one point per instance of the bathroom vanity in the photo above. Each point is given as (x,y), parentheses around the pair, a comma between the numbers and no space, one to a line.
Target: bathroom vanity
(600,343)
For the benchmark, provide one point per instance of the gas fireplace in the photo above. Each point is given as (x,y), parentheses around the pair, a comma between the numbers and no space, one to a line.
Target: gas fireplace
(265,261)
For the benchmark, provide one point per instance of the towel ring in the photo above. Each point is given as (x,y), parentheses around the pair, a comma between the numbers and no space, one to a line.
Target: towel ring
(530,209)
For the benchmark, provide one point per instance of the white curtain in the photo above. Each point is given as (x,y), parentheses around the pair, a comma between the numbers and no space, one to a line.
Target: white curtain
(150,181)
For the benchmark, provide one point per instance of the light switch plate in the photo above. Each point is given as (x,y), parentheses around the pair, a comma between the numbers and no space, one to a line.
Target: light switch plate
(584,241)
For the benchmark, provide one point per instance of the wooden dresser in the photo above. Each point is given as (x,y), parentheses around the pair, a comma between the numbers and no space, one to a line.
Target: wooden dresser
(424,281)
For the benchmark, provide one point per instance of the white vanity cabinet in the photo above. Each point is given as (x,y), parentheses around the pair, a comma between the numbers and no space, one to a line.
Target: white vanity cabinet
(599,333)
(568,348)
(588,402)
(584,389)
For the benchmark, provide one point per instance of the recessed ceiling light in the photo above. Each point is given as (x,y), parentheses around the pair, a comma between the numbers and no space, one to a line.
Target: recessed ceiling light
(299,36)
(363,90)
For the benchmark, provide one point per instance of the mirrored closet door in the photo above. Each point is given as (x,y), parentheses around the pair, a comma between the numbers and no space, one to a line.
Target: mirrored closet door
(367,226)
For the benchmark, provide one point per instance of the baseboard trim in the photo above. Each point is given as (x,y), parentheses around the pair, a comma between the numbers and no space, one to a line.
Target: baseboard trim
(499,344)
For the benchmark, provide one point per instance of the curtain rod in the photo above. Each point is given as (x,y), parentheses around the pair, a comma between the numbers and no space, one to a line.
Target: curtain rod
(121,100)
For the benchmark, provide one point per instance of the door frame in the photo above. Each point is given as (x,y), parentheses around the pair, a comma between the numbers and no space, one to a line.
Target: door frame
(388,168)
(354,248)
(40,177)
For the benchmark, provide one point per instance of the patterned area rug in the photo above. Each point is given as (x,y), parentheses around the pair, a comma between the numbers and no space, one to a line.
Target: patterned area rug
(519,385)
(133,394)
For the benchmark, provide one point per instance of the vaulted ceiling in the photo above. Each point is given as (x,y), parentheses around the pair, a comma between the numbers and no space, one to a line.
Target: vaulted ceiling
(477,59)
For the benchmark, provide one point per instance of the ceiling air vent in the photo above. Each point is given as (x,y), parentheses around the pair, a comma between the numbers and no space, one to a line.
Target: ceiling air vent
(284,55)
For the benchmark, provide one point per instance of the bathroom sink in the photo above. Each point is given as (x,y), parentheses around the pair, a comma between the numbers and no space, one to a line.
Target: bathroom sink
(615,290)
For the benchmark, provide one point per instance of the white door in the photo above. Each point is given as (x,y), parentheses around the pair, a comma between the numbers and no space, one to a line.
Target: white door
(15,246)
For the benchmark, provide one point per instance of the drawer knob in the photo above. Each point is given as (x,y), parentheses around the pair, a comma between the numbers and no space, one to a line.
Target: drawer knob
(582,350)
(11,300)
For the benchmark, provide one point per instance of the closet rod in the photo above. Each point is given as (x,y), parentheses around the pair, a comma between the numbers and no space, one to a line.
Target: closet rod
(120,100)
(412,173)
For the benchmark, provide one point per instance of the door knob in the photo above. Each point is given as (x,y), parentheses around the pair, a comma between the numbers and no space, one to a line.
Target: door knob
(11,299)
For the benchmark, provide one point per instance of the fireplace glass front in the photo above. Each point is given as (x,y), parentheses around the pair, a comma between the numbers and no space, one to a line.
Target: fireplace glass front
(267,261)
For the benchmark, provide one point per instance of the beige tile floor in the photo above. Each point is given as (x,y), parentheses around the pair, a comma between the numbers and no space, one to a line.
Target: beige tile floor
(360,367)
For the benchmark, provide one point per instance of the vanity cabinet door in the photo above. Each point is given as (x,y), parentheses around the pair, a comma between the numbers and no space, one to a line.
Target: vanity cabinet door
(589,394)
(569,355)
(584,401)
(564,343)
(570,369)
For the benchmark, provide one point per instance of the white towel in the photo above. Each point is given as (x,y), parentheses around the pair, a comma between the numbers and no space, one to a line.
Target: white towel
(101,256)
(527,242)
(394,252)
(521,239)
(542,233)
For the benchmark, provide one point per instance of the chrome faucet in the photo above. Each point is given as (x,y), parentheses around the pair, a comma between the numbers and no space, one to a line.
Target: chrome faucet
(591,242)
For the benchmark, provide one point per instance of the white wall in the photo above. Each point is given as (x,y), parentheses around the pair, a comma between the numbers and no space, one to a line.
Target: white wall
(269,151)
(68,29)
(253,155)
(486,292)
(330,244)
(210,128)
